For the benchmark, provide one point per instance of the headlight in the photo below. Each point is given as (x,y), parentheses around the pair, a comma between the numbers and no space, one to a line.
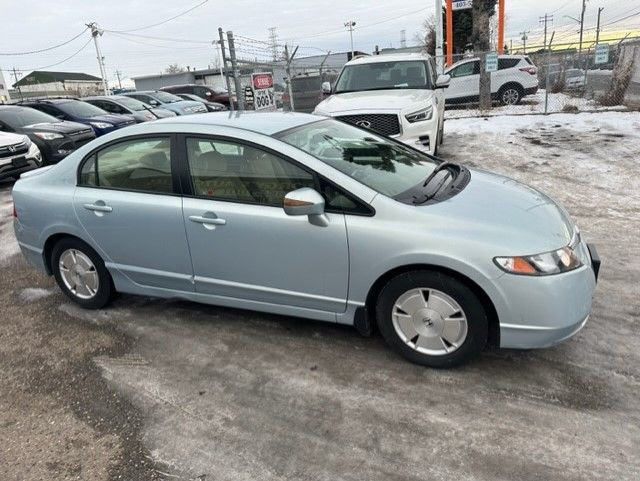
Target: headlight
(420,115)
(48,135)
(554,262)
(101,125)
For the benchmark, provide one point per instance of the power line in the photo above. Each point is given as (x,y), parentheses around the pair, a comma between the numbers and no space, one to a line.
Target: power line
(57,63)
(164,21)
(44,49)
(166,39)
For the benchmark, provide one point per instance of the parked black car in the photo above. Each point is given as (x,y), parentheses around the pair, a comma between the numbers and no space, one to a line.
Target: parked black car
(82,112)
(120,104)
(211,106)
(203,91)
(55,138)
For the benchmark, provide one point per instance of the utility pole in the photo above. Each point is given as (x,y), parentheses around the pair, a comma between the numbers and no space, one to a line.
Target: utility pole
(95,33)
(273,41)
(524,39)
(403,38)
(439,37)
(350,24)
(226,70)
(288,59)
(546,82)
(598,27)
(15,77)
(118,73)
(546,19)
(584,6)
(236,71)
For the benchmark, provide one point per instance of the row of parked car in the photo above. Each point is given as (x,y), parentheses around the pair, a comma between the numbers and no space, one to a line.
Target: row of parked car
(39,132)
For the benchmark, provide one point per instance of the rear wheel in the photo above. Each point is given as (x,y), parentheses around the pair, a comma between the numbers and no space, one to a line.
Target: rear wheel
(431,319)
(81,274)
(510,94)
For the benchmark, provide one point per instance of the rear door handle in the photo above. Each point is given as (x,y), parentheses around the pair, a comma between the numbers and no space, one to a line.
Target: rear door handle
(98,207)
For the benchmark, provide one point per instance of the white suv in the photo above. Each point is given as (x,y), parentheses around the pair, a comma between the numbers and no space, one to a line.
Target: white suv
(516,77)
(397,95)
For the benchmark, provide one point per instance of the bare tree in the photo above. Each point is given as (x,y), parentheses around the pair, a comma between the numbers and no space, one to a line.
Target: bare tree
(427,37)
(482,12)
(174,68)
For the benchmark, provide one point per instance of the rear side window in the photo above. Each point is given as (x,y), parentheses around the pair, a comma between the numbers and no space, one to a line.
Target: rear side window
(504,63)
(142,165)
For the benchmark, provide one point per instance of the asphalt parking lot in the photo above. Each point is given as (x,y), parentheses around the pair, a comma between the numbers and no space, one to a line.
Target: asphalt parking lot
(152,389)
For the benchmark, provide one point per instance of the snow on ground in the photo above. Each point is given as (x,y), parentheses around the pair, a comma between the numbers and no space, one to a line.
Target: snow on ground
(532,104)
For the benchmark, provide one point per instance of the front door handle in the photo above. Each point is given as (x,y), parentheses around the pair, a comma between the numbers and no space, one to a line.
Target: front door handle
(207,222)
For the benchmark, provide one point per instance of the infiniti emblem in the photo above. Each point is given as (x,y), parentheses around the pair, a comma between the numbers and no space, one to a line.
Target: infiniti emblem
(364,123)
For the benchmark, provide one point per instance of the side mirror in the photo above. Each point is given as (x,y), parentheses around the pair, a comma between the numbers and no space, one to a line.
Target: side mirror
(443,81)
(306,201)
(326,88)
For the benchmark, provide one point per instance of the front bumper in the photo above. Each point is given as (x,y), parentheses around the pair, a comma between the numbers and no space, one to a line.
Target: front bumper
(538,312)
(16,165)
(420,135)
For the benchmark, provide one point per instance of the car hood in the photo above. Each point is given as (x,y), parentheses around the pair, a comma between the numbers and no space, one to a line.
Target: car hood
(62,127)
(183,104)
(112,119)
(502,211)
(7,138)
(391,100)
(163,113)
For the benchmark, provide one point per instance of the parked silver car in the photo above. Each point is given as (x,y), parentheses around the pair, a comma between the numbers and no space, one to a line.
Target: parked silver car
(307,216)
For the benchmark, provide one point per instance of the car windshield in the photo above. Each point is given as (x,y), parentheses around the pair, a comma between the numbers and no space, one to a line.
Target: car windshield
(80,109)
(133,104)
(166,98)
(407,74)
(385,166)
(21,117)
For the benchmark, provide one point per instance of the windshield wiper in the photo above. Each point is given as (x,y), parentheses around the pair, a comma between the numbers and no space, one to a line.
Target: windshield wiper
(441,167)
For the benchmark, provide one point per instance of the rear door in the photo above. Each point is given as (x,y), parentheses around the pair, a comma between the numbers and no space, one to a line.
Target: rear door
(244,246)
(127,202)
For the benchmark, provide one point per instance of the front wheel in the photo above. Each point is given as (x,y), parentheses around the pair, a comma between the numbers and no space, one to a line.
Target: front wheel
(431,319)
(81,274)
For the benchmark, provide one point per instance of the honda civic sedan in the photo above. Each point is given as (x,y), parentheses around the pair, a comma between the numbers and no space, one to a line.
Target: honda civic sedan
(311,217)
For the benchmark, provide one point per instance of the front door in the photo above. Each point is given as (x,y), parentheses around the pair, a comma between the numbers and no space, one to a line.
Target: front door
(126,203)
(244,246)
(465,82)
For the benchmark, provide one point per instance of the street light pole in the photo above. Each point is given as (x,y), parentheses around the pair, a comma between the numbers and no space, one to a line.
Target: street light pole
(350,24)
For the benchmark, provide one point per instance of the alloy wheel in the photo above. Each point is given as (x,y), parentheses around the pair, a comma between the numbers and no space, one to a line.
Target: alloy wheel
(510,96)
(429,321)
(79,274)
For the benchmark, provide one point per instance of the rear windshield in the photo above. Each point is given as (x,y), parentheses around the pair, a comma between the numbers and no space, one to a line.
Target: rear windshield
(400,74)
(20,117)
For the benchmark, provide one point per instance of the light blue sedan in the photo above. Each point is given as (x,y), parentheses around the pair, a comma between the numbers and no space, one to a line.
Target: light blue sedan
(307,216)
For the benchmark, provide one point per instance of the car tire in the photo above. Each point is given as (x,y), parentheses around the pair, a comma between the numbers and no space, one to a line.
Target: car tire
(86,280)
(431,319)
(510,94)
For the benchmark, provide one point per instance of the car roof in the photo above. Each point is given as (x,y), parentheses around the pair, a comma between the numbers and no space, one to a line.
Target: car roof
(267,123)
(104,97)
(392,57)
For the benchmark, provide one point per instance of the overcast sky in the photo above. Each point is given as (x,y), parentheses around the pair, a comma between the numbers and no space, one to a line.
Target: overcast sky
(316,24)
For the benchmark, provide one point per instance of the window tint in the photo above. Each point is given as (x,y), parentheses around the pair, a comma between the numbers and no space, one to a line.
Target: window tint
(139,165)
(407,74)
(507,63)
(242,173)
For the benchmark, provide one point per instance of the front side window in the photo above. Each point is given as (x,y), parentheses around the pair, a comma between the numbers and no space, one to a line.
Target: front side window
(241,173)
(407,74)
(379,163)
(468,68)
(142,165)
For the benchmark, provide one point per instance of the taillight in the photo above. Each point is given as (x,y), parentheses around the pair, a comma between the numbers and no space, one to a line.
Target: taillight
(529,70)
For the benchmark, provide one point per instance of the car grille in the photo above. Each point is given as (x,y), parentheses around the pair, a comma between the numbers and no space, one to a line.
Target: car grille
(386,124)
(15,149)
